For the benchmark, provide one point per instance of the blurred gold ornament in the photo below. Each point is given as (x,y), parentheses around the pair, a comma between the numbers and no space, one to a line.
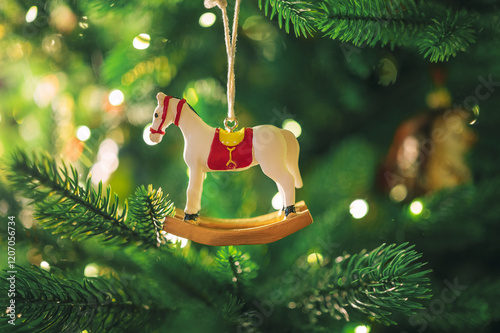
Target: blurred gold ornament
(439,98)
(428,153)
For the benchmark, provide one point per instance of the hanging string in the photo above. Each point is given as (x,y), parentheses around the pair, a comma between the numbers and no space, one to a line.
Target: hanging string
(231,52)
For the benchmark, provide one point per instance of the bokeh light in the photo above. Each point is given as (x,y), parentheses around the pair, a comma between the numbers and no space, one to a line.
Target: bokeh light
(315,259)
(145,135)
(116,97)
(277,201)
(91,270)
(178,241)
(475,110)
(416,207)
(398,193)
(45,266)
(83,133)
(358,208)
(29,128)
(107,161)
(191,96)
(46,90)
(207,20)
(31,14)
(141,42)
(362,329)
(292,126)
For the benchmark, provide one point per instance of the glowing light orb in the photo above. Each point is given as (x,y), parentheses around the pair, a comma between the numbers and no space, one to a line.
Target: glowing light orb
(475,110)
(31,14)
(178,241)
(141,42)
(416,207)
(398,193)
(362,329)
(116,97)
(277,201)
(292,126)
(358,208)
(145,135)
(315,259)
(191,96)
(207,20)
(91,270)
(45,266)
(83,133)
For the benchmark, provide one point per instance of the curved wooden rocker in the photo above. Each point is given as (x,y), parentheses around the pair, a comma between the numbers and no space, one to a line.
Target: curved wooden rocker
(248,231)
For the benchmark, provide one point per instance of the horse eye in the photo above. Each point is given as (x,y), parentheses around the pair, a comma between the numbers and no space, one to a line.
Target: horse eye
(156,115)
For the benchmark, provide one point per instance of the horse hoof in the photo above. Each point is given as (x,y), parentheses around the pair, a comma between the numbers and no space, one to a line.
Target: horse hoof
(290,211)
(191,218)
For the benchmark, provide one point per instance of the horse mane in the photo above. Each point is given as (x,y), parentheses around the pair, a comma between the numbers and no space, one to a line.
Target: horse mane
(188,105)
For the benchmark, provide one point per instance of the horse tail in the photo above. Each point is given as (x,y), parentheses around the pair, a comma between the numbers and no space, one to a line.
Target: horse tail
(292,156)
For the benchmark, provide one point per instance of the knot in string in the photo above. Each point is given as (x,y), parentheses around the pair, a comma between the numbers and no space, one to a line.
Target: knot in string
(212,3)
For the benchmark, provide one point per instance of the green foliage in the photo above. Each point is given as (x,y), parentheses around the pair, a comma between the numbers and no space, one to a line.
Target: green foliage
(469,308)
(80,212)
(385,280)
(371,22)
(438,32)
(296,12)
(240,266)
(50,302)
(448,34)
(147,209)
(347,123)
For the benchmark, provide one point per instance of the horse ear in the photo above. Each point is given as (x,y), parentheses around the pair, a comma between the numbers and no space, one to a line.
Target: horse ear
(160,97)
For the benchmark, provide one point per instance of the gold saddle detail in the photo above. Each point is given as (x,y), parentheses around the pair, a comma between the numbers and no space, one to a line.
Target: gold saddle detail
(231,139)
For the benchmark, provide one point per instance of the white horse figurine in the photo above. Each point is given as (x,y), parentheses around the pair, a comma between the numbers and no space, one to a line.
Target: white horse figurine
(276,150)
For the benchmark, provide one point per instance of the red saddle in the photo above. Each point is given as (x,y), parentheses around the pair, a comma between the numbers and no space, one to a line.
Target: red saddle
(230,151)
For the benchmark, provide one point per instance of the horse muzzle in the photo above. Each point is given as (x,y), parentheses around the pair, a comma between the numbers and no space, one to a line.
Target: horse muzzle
(155,137)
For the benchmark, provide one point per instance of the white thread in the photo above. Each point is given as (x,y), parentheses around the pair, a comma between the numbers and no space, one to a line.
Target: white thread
(230,75)
(230,50)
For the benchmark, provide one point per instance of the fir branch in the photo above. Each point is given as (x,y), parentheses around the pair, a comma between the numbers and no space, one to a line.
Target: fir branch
(447,35)
(81,212)
(52,303)
(296,12)
(148,208)
(375,283)
(438,32)
(236,266)
(370,22)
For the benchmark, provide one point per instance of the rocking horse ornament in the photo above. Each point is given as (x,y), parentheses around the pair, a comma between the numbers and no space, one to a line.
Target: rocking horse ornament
(210,149)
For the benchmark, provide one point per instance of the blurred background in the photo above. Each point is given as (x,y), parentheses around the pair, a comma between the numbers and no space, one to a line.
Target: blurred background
(394,148)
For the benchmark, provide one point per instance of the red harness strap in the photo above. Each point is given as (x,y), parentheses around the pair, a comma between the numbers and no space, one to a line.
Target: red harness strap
(179,109)
(166,102)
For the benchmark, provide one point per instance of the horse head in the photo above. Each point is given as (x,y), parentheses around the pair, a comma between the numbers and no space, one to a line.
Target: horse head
(163,116)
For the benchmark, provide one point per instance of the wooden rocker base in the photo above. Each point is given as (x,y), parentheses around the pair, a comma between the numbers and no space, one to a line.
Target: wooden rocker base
(249,231)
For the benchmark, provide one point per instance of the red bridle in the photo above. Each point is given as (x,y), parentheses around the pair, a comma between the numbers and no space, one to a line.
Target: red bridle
(164,115)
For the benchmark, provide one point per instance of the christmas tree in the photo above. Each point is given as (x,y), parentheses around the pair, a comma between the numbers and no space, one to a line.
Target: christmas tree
(393,104)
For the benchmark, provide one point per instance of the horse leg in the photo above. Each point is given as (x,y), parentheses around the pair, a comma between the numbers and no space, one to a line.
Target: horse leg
(282,195)
(286,186)
(193,193)
(270,149)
